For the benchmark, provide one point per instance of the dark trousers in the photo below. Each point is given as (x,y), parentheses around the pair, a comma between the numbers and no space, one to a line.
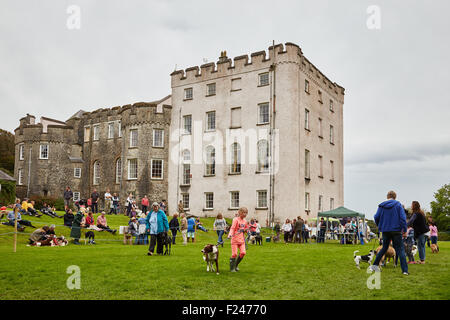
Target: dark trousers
(305,236)
(321,236)
(397,243)
(94,207)
(144,209)
(286,236)
(156,239)
(174,234)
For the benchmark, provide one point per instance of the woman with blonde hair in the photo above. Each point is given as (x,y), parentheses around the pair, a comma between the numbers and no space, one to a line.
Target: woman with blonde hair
(220,225)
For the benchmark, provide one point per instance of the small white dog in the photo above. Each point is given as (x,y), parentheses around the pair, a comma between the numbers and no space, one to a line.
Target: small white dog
(367,258)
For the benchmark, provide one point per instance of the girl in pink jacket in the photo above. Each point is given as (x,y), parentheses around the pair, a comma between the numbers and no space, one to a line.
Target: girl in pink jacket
(237,231)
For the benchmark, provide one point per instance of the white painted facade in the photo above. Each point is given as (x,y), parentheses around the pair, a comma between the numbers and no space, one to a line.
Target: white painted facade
(237,85)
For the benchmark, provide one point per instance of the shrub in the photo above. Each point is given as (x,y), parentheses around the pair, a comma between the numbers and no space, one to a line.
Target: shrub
(8,193)
(443,236)
(39,201)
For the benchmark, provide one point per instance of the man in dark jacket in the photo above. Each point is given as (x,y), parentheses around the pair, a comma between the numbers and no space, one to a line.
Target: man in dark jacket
(95,196)
(391,221)
(298,227)
(68,195)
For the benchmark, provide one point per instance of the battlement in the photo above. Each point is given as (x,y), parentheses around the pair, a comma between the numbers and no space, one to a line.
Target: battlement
(287,53)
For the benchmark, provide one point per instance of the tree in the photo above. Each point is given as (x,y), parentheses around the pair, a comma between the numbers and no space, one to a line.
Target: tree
(7,151)
(440,209)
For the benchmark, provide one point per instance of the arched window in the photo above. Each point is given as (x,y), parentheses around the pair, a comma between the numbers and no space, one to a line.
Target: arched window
(186,167)
(235,166)
(118,170)
(96,173)
(263,156)
(210,168)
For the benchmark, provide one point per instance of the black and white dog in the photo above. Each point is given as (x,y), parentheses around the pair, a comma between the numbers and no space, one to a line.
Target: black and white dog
(211,256)
(89,235)
(367,258)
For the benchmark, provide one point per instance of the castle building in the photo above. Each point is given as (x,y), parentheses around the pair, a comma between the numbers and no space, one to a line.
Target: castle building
(123,149)
(264,132)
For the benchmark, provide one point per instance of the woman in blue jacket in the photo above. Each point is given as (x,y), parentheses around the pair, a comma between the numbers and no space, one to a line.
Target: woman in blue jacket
(157,227)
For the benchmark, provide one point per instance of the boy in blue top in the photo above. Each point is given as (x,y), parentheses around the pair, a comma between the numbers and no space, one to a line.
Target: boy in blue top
(391,221)
(157,227)
(191,229)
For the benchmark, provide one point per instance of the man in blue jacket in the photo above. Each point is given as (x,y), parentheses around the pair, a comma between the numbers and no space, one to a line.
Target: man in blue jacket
(391,221)
(157,227)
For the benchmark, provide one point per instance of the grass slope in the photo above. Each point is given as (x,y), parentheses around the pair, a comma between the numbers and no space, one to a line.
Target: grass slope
(111,270)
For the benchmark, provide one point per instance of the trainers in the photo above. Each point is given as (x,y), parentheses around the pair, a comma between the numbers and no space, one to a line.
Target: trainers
(373,268)
(406,273)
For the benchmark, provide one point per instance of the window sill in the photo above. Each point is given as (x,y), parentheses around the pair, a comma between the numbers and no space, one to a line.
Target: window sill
(132,147)
(159,179)
(309,130)
(186,133)
(332,180)
(210,95)
(234,90)
(208,175)
(261,208)
(187,99)
(210,130)
(208,209)
(332,143)
(262,172)
(185,185)
(307,179)
(321,177)
(262,85)
(320,101)
(234,173)
(236,127)
(43,158)
(332,110)
(158,147)
(263,124)
(321,137)
(233,209)
(134,179)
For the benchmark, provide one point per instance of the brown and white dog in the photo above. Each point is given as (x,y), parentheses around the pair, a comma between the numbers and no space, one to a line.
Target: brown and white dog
(434,248)
(211,256)
(390,253)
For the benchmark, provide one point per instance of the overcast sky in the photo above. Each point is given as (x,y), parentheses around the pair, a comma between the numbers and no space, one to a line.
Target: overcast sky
(397,102)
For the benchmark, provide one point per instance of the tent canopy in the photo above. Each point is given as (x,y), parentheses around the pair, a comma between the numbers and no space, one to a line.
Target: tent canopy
(341,212)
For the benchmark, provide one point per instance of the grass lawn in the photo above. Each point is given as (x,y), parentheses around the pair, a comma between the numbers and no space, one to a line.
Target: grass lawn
(111,270)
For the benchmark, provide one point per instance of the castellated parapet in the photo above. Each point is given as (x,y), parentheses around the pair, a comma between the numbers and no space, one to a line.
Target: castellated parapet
(278,54)
(73,150)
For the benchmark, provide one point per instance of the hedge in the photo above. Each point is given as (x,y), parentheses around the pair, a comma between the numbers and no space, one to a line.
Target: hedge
(8,193)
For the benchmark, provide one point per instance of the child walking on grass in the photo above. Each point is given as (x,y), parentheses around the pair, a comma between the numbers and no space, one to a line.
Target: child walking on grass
(237,231)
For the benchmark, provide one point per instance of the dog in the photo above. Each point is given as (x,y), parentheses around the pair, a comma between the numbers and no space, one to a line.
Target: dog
(211,256)
(414,250)
(259,239)
(367,258)
(167,243)
(390,254)
(89,235)
(434,248)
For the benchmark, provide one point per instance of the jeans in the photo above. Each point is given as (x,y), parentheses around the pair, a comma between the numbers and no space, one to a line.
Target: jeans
(220,234)
(397,242)
(94,207)
(174,235)
(421,246)
(321,236)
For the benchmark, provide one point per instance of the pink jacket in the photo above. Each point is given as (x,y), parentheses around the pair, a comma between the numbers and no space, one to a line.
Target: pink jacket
(237,230)
(433,231)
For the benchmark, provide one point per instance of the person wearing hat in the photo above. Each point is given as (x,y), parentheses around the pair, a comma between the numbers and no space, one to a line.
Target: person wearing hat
(133,228)
(157,227)
(75,232)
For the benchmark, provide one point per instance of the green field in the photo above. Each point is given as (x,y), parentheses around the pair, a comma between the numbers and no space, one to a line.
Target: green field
(111,270)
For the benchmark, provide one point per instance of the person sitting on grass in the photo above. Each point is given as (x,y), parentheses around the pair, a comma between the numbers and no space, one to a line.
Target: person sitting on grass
(102,223)
(200,226)
(68,218)
(39,234)
(51,229)
(48,211)
(11,220)
(32,210)
(133,229)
